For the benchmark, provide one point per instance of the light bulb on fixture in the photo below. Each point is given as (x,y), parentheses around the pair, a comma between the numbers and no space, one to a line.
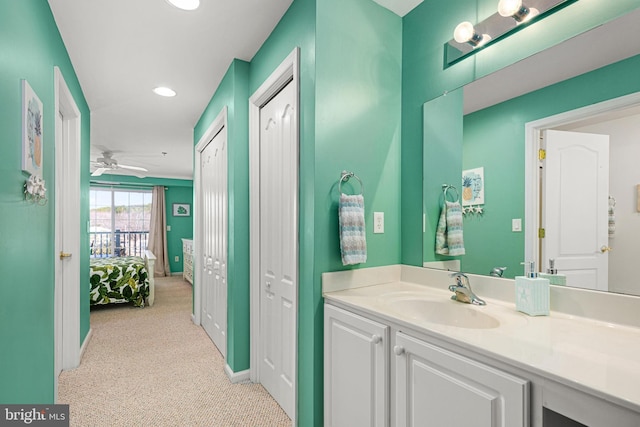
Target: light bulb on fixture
(465,33)
(517,10)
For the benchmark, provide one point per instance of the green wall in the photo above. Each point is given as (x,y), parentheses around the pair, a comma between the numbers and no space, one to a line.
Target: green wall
(425,31)
(358,75)
(181,226)
(177,191)
(233,92)
(30,46)
(494,138)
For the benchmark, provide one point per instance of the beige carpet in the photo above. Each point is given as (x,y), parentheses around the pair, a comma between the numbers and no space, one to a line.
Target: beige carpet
(154,367)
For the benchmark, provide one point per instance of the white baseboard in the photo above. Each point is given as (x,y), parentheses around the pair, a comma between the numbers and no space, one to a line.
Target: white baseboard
(236,377)
(85,343)
(177,273)
(193,319)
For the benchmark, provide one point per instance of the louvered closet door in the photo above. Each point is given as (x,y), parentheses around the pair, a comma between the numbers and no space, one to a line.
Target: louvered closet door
(278,247)
(214,277)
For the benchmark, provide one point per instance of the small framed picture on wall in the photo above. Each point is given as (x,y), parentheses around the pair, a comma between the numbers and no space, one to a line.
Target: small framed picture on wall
(181,209)
(31,131)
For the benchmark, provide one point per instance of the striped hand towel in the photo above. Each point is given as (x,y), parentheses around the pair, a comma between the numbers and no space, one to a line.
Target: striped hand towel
(353,243)
(449,240)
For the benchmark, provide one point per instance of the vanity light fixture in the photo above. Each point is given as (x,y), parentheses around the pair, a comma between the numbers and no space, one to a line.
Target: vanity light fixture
(164,91)
(469,38)
(465,33)
(517,10)
(185,4)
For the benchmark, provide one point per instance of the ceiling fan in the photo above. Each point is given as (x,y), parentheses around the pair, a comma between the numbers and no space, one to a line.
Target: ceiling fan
(107,163)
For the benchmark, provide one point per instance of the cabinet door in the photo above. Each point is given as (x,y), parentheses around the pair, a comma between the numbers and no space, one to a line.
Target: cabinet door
(355,370)
(435,387)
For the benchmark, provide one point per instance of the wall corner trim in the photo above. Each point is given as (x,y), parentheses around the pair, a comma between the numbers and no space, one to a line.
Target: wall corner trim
(236,377)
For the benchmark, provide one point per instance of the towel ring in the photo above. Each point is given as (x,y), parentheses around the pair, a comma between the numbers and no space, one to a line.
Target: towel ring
(344,177)
(445,190)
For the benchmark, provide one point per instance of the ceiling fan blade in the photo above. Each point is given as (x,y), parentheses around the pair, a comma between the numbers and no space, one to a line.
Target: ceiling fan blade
(99,171)
(121,171)
(133,168)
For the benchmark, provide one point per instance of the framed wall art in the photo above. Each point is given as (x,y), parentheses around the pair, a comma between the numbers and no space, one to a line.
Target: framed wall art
(181,209)
(32,140)
(473,187)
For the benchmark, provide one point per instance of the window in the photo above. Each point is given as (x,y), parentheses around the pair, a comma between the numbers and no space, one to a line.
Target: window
(118,221)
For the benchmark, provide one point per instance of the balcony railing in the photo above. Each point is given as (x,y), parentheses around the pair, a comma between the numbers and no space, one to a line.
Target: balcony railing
(105,244)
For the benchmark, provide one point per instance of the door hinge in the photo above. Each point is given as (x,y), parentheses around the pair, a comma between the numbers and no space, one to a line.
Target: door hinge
(542,154)
(541,233)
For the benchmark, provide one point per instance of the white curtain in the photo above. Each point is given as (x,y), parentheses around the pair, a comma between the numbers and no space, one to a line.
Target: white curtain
(158,232)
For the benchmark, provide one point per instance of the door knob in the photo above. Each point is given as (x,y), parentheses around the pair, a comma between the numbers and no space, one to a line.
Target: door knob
(605,249)
(376,339)
(398,350)
(64,255)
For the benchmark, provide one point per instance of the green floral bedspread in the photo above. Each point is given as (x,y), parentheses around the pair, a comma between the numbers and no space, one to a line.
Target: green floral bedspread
(121,279)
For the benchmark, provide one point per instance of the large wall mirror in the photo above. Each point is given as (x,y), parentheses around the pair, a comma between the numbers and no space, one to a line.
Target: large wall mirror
(586,85)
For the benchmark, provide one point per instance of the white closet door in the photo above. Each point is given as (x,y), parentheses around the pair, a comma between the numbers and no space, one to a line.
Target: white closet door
(278,247)
(214,278)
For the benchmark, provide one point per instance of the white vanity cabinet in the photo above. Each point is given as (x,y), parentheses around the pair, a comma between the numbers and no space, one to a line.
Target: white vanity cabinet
(431,386)
(434,386)
(560,370)
(356,361)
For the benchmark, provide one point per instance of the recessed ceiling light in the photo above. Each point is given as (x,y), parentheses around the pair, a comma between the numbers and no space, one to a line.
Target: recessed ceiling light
(185,4)
(164,91)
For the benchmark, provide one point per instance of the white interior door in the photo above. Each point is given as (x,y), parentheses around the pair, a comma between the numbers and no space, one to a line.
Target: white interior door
(574,214)
(278,247)
(67,228)
(60,244)
(213,176)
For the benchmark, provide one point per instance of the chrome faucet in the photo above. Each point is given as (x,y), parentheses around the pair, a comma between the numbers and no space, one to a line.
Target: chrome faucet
(462,289)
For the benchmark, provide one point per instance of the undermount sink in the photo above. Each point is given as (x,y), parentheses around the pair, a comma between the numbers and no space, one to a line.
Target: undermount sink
(442,312)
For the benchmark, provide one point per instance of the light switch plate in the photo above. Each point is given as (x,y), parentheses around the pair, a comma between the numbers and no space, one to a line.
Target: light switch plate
(378,222)
(177,258)
(168,228)
(516,224)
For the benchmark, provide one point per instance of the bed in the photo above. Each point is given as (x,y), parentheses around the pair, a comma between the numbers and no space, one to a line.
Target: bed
(122,280)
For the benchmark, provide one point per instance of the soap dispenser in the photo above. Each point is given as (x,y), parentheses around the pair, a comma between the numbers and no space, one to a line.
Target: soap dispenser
(553,276)
(532,292)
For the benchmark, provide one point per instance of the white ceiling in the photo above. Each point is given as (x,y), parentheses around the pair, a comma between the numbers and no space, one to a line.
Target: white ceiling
(122,49)
(399,7)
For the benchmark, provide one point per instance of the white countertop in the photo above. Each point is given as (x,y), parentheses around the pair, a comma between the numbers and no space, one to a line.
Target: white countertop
(600,358)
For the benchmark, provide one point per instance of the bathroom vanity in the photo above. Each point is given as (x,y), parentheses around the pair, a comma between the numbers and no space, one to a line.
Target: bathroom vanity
(400,352)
